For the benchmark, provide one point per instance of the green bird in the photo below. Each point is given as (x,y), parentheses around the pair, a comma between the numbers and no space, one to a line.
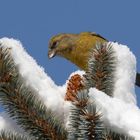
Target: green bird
(76,48)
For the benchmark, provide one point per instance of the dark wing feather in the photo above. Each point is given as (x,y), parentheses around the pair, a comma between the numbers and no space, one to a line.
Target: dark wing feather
(94,34)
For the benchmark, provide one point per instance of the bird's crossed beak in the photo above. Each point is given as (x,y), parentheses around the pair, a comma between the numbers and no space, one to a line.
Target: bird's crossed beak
(51,53)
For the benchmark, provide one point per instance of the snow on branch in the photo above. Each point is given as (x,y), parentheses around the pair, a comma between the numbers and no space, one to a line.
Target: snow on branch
(120,112)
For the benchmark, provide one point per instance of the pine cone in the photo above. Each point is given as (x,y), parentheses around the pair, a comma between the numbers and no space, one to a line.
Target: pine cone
(74,85)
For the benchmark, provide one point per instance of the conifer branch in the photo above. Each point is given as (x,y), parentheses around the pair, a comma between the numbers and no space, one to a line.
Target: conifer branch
(23,105)
(7,135)
(76,111)
(85,119)
(115,136)
(101,68)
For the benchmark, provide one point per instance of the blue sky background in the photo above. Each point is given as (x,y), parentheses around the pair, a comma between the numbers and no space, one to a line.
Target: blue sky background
(34,22)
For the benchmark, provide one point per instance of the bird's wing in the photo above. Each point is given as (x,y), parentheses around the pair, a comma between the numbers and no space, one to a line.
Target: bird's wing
(95,34)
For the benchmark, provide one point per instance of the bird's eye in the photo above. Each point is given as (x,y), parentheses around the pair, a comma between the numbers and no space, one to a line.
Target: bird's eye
(54,44)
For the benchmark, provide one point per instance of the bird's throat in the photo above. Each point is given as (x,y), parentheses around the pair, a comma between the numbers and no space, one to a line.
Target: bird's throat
(78,58)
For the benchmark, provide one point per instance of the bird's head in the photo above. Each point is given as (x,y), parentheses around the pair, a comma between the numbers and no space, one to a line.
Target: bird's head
(64,44)
(61,44)
(74,47)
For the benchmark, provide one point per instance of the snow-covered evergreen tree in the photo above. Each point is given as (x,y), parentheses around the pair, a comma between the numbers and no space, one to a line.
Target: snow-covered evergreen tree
(99,104)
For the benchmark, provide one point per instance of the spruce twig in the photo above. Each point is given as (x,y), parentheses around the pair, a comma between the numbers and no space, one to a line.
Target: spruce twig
(115,136)
(75,113)
(23,105)
(85,119)
(101,68)
(7,135)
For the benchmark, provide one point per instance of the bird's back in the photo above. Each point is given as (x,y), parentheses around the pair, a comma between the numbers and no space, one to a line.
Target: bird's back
(82,48)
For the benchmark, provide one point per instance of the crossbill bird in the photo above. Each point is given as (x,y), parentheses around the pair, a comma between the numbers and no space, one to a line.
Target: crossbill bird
(76,48)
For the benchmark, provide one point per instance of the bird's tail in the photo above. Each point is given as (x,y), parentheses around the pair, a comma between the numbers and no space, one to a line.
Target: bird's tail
(138,79)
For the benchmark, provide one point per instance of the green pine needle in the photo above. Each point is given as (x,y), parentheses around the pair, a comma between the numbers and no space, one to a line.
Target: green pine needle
(101,69)
(24,105)
(85,123)
(7,135)
(115,136)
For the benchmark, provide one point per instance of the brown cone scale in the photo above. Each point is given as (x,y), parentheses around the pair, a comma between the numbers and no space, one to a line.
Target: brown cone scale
(74,85)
